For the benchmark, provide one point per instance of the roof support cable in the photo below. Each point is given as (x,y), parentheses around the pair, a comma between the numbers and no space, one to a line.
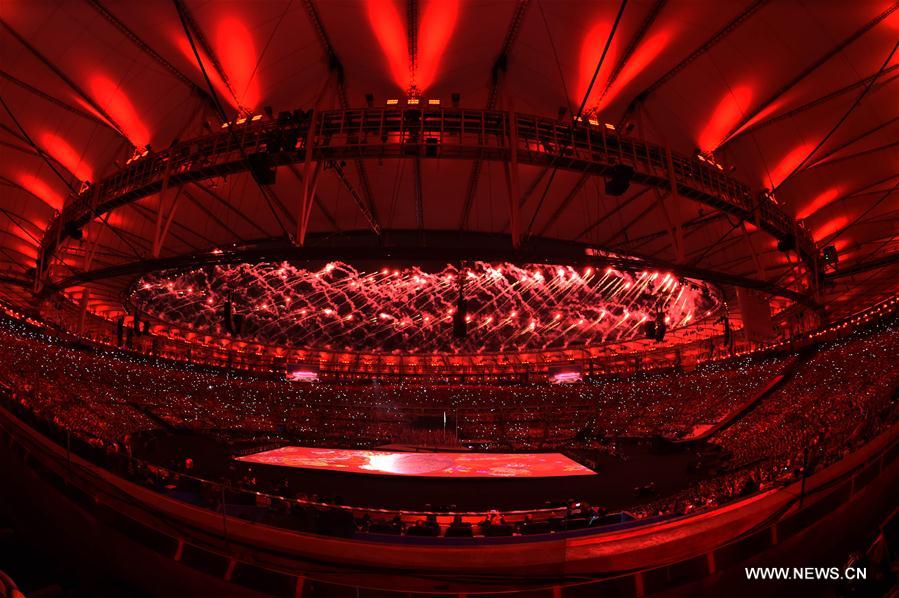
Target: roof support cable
(840,122)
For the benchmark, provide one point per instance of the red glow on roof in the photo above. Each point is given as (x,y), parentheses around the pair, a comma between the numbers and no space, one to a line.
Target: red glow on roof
(183,46)
(642,57)
(390,30)
(60,149)
(820,201)
(437,25)
(768,111)
(789,163)
(591,51)
(830,227)
(841,244)
(28,251)
(727,113)
(42,190)
(21,234)
(113,100)
(237,52)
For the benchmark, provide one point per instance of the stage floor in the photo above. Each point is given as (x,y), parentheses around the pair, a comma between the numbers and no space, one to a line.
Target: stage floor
(430,465)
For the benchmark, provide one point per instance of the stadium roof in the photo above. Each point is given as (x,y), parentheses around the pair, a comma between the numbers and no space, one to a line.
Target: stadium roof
(797,98)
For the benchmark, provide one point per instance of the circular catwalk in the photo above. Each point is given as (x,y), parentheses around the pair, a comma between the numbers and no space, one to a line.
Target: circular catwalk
(446,298)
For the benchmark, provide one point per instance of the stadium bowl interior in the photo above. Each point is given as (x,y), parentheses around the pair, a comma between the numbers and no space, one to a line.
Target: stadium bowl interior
(395,298)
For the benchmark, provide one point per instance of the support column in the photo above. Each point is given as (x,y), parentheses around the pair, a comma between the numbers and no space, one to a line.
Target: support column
(310,183)
(675,209)
(82,312)
(512,182)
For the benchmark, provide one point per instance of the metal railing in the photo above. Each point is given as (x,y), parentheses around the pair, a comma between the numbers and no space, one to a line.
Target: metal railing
(378,133)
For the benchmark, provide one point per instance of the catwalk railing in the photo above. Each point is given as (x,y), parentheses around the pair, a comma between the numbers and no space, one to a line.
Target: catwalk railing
(427,133)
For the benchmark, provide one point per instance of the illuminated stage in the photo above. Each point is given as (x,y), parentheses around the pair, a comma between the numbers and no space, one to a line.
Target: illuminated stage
(432,465)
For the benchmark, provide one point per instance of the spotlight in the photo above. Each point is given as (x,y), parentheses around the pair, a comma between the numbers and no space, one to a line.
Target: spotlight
(562,111)
(456,97)
(268,111)
(619,180)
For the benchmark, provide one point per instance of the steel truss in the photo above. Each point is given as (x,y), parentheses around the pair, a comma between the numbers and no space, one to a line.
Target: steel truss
(421,134)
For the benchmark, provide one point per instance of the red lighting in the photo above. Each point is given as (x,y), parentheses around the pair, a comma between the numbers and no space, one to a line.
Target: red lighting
(830,227)
(789,163)
(644,55)
(116,103)
(591,51)
(237,52)
(390,30)
(726,114)
(41,190)
(60,149)
(820,201)
(437,25)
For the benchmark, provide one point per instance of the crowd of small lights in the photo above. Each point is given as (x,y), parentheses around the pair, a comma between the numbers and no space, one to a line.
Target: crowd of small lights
(509,307)
(835,401)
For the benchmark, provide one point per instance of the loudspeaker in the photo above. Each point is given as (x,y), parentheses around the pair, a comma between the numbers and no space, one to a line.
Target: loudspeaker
(786,244)
(619,179)
(829,255)
(261,168)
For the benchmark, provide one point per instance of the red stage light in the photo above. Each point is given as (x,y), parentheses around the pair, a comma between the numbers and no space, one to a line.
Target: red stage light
(830,227)
(118,105)
(437,24)
(41,190)
(822,200)
(60,149)
(789,163)
(727,113)
(591,51)
(237,52)
(390,31)
(645,54)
